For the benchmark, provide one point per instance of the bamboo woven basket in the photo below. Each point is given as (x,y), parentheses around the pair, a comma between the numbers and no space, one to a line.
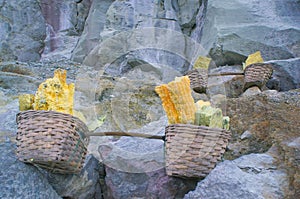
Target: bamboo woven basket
(198,78)
(193,151)
(51,140)
(257,75)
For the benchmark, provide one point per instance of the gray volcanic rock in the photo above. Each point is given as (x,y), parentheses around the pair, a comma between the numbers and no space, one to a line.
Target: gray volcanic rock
(19,180)
(22,30)
(253,176)
(235,29)
(94,25)
(286,74)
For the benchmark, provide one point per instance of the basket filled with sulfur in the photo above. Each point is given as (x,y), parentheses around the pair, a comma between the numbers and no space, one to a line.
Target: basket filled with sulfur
(197,134)
(198,78)
(257,74)
(48,134)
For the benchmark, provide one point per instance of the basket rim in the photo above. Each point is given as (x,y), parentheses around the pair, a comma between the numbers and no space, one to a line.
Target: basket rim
(82,135)
(198,127)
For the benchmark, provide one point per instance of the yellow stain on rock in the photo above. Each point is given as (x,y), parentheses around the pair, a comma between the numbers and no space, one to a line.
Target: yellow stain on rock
(177,100)
(55,94)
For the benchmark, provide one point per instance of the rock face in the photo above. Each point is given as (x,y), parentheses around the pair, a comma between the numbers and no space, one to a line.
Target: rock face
(272,119)
(86,185)
(19,180)
(65,21)
(286,74)
(249,177)
(226,80)
(150,33)
(235,29)
(22,30)
(94,25)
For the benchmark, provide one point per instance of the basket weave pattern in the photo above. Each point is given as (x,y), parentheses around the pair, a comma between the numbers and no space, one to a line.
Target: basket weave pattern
(51,140)
(198,78)
(257,74)
(193,151)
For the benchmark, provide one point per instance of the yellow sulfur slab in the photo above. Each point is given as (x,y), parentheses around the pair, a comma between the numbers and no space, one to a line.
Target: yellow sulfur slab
(168,104)
(55,94)
(202,62)
(177,100)
(201,103)
(254,58)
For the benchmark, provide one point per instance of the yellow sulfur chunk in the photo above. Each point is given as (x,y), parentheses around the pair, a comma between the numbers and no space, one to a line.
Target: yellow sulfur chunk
(55,94)
(168,104)
(202,62)
(254,58)
(177,100)
(201,103)
(209,116)
(25,102)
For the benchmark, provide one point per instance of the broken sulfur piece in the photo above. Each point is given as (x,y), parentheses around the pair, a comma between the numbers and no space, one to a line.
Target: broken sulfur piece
(209,116)
(26,101)
(177,100)
(254,58)
(202,62)
(55,94)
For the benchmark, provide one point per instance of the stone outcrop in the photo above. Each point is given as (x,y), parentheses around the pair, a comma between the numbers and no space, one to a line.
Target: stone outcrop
(233,30)
(286,74)
(249,177)
(22,30)
(272,119)
(94,25)
(65,22)
(19,180)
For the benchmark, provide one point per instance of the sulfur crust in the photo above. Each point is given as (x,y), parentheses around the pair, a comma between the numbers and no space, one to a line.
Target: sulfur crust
(55,94)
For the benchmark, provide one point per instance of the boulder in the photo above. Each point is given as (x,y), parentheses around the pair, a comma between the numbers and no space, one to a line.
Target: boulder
(19,180)
(65,22)
(22,30)
(234,30)
(273,119)
(248,177)
(83,186)
(135,166)
(286,74)
(93,26)
(226,80)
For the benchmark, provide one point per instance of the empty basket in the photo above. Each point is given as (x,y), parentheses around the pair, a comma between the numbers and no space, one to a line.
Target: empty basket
(198,78)
(193,151)
(51,140)
(257,75)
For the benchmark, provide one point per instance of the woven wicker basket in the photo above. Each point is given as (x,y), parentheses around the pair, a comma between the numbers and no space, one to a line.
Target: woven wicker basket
(198,78)
(51,140)
(193,151)
(257,75)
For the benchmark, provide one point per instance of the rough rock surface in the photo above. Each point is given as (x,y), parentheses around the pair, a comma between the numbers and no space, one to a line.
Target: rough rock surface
(235,29)
(65,21)
(286,74)
(83,186)
(226,80)
(154,184)
(22,30)
(19,180)
(253,176)
(273,120)
(150,33)
(93,26)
